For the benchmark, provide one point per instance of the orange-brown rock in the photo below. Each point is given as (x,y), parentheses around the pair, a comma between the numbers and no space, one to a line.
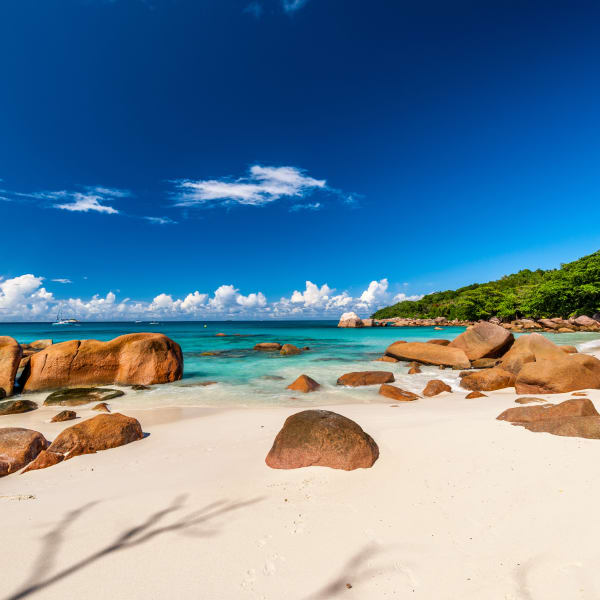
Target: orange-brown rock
(14,407)
(98,433)
(290,350)
(18,447)
(568,349)
(305,384)
(322,438)
(576,407)
(439,342)
(268,346)
(488,380)
(475,394)
(220,335)
(570,372)
(44,460)
(64,415)
(366,378)
(10,357)
(549,324)
(137,358)
(583,427)
(435,387)
(484,340)
(414,370)
(396,393)
(388,359)
(485,363)
(565,330)
(101,407)
(527,349)
(579,394)
(526,400)
(430,354)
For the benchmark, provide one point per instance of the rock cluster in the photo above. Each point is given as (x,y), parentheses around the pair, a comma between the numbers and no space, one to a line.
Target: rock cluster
(138,358)
(572,418)
(558,324)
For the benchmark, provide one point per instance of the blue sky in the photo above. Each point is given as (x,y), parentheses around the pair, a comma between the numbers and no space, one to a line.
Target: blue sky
(207,159)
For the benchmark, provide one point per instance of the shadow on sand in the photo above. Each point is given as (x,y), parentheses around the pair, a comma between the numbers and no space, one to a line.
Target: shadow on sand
(196,523)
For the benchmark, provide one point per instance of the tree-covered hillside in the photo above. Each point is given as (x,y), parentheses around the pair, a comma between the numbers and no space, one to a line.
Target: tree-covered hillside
(572,290)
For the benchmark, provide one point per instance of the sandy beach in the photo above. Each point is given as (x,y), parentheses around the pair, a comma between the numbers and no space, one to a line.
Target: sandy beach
(459,505)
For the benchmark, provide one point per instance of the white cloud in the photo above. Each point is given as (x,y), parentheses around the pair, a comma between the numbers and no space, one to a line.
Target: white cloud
(61,280)
(160,220)
(24,298)
(86,203)
(262,186)
(292,5)
(402,297)
(376,292)
(297,207)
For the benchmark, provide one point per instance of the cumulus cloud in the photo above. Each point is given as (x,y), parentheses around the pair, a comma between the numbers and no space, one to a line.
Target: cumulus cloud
(402,297)
(24,298)
(263,185)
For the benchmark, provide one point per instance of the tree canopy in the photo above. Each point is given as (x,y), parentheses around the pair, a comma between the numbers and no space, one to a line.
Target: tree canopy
(572,290)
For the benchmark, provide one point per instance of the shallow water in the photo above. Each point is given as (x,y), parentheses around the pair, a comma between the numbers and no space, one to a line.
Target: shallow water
(246,377)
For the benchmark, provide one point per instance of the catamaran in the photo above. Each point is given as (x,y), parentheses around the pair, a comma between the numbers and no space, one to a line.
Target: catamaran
(61,321)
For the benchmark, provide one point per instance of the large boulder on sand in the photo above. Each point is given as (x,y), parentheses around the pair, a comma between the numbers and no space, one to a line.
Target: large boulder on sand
(137,358)
(568,373)
(488,380)
(99,433)
(304,384)
(19,447)
(366,378)
(10,357)
(583,427)
(527,349)
(484,340)
(429,354)
(44,460)
(576,407)
(322,438)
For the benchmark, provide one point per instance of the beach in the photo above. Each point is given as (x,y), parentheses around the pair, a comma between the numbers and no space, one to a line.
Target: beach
(459,505)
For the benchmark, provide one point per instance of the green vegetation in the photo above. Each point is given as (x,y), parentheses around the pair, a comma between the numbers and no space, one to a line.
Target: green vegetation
(572,290)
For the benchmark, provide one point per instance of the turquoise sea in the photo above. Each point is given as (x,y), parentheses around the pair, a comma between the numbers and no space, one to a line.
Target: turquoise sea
(247,377)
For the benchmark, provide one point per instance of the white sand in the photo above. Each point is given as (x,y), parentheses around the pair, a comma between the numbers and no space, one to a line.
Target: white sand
(459,506)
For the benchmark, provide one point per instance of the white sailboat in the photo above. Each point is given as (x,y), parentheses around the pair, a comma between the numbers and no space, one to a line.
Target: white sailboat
(61,321)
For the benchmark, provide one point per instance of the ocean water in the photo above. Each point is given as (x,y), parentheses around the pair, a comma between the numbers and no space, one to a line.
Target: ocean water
(246,377)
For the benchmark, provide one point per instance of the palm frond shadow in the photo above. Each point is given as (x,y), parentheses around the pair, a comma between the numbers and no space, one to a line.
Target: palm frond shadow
(197,523)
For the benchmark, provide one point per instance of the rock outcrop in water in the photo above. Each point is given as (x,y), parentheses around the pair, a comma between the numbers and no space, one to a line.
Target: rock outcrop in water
(304,384)
(429,354)
(322,438)
(138,358)
(359,378)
